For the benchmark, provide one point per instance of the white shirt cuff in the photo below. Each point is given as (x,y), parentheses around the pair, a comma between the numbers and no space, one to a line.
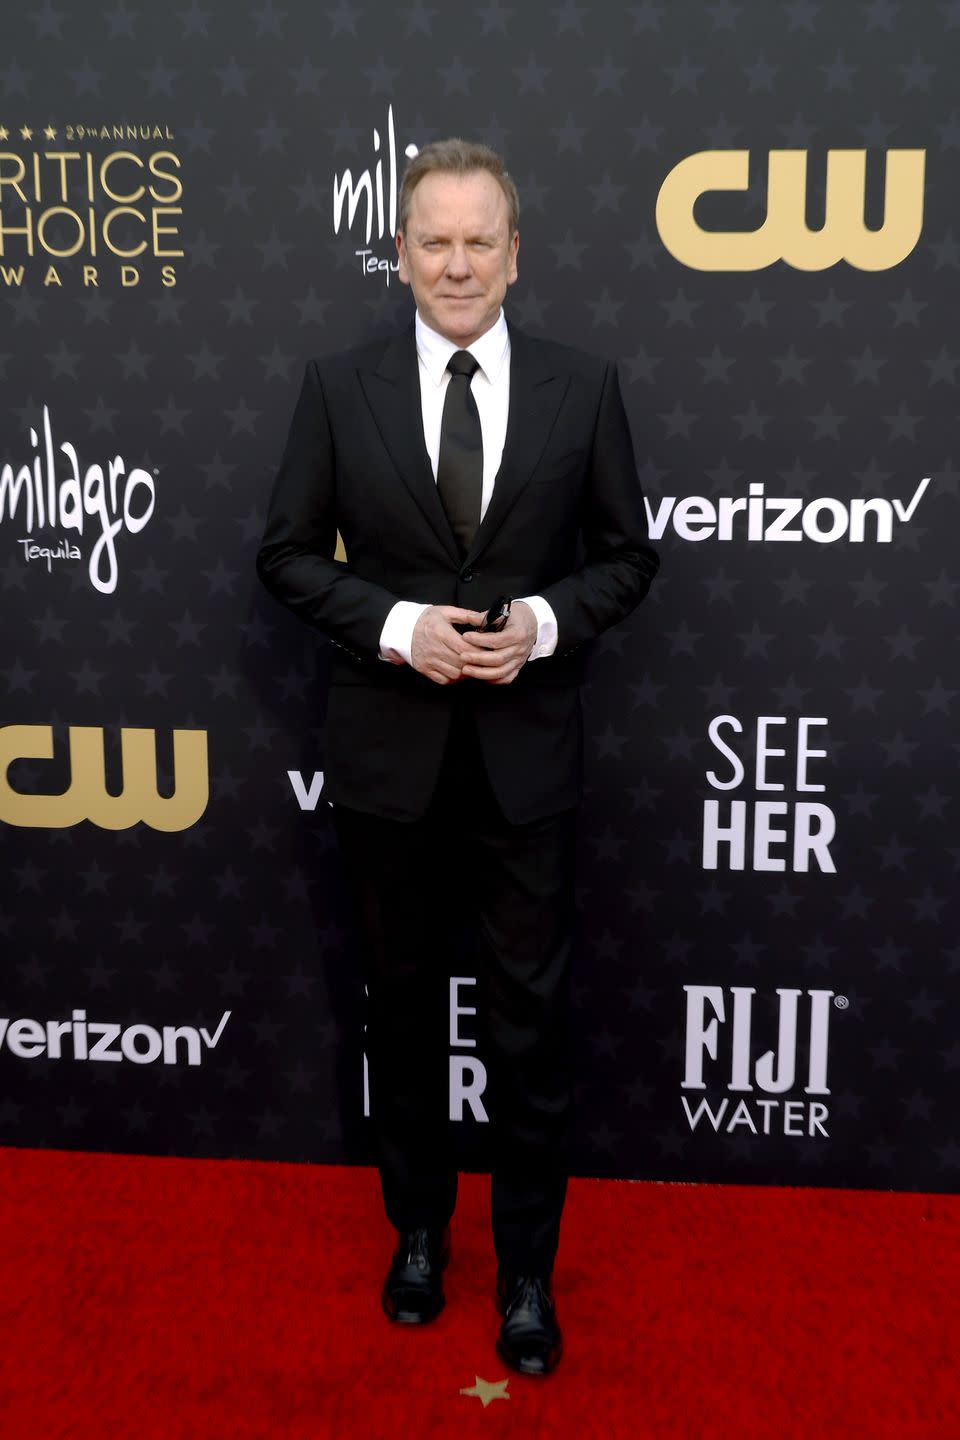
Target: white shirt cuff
(546,641)
(396,637)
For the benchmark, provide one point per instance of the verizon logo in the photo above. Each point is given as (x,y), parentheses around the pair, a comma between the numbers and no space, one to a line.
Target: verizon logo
(81,1039)
(759,517)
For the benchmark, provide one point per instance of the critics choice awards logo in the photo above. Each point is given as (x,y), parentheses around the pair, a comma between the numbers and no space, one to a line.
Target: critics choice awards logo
(96,204)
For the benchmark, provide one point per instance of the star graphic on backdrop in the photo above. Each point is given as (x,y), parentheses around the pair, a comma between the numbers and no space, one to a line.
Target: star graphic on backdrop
(839,73)
(419,18)
(343,18)
(802,14)
(456,77)
(531,76)
(724,14)
(608,77)
(646,135)
(760,74)
(47,22)
(569,135)
(570,17)
(831,310)
(880,14)
(906,310)
(269,19)
(949,132)
(947,252)
(160,79)
(754,309)
(642,366)
(194,20)
(917,73)
(642,252)
(683,76)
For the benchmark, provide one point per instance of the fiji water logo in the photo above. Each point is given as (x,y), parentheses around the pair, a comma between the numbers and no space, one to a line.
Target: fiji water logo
(368,205)
(767,1087)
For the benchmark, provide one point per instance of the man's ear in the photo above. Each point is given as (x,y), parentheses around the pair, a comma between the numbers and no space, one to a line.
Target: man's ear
(514,247)
(403,273)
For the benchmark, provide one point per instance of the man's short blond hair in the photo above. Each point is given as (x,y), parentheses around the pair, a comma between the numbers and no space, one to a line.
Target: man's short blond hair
(458,157)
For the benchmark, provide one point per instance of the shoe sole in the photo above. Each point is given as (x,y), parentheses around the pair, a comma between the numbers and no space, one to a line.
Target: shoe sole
(409,1317)
(523,1367)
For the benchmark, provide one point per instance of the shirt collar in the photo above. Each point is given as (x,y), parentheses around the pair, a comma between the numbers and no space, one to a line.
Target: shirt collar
(490,350)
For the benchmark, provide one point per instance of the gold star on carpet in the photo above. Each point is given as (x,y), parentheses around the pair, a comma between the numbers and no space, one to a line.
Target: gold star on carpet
(487,1390)
(50,132)
(4,132)
(25,132)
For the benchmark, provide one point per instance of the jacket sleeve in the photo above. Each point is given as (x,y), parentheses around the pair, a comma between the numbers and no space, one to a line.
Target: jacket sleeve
(295,560)
(619,564)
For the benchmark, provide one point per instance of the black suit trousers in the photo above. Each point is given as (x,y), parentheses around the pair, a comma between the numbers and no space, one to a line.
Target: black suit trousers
(420,889)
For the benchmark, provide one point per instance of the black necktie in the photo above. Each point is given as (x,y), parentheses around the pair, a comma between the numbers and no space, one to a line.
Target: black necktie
(460,462)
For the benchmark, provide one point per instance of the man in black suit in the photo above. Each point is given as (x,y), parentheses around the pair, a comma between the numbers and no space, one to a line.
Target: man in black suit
(461,462)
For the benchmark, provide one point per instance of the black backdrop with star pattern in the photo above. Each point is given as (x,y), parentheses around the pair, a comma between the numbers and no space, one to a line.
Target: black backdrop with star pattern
(833,384)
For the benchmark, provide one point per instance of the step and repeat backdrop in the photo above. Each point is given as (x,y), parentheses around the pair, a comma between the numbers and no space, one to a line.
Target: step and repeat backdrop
(754,208)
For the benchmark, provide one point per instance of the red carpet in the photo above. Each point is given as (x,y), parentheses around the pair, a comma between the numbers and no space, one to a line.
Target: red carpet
(194,1299)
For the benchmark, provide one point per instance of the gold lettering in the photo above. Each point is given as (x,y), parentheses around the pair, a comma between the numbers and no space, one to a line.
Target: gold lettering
(107,164)
(108,220)
(42,225)
(87,798)
(63,156)
(26,229)
(784,234)
(15,179)
(159,229)
(158,171)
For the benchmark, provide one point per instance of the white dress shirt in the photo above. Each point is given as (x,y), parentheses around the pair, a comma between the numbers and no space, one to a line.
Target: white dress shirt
(490,388)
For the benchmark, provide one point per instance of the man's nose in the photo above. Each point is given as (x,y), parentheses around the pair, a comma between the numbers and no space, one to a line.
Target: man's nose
(459,261)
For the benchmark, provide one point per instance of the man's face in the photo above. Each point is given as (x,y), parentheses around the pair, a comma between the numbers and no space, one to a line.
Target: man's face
(458,255)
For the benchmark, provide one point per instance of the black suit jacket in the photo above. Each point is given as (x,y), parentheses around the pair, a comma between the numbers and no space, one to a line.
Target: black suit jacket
(566,521)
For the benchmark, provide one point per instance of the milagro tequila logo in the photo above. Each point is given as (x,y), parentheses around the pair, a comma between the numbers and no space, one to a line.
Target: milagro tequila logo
(55,510)
(367,207)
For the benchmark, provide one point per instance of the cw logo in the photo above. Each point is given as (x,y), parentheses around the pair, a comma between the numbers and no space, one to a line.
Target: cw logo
(784,234)
(87,797)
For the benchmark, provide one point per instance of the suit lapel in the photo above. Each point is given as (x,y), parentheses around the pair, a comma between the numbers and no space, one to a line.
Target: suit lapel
(392,391)
(536,393)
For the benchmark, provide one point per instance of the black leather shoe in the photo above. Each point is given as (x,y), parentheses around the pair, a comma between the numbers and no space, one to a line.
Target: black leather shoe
(530,1339)
(413,1290)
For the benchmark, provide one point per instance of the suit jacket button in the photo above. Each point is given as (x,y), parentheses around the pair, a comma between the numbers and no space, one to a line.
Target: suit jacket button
(466,576)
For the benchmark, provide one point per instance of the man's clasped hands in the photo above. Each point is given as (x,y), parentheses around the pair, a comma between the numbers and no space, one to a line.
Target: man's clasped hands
(444,655)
